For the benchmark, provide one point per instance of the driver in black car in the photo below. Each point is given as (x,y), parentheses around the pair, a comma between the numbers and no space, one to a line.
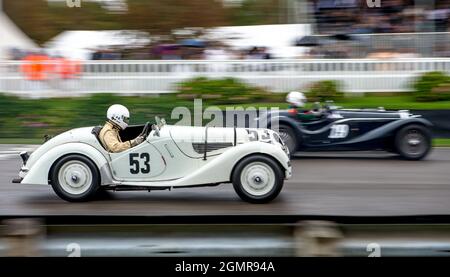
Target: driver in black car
(118,118)
(297,101)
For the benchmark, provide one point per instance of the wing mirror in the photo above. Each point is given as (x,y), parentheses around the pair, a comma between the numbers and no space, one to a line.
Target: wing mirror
(160,121)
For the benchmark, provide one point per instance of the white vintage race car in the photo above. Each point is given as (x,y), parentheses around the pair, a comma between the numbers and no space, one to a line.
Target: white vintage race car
(77,166)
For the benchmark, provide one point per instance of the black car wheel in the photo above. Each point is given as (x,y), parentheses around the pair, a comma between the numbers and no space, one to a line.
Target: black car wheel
(287,134)
(75,178)
(257,179)
(413,142)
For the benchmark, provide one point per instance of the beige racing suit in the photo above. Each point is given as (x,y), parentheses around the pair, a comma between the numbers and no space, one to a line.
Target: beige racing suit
(109,136)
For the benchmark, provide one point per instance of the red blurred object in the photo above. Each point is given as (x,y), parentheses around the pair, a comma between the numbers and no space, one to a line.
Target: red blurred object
(292,111)
(66,69)
(35,67)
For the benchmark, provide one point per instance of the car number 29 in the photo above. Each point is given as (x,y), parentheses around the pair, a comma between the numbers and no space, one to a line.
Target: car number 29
(339,131)
(139,163)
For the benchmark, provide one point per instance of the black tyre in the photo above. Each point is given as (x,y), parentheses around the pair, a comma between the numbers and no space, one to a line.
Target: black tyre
(413,142)
(257,179)
(75,178)
(287,134)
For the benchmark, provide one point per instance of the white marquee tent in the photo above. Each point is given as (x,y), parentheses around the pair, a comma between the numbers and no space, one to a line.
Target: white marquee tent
(12,37)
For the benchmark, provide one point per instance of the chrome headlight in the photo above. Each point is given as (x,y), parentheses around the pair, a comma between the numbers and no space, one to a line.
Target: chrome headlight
(24,155)
(278,139)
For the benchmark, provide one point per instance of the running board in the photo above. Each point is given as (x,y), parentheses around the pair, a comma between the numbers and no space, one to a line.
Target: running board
(148,188)
(134,188)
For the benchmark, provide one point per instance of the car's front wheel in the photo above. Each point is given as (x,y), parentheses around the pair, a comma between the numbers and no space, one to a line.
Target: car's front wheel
(413,142)
(287,134)
(257,179)
(75,178)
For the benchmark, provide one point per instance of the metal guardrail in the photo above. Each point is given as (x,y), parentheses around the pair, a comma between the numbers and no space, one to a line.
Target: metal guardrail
(31,237)
(356,75)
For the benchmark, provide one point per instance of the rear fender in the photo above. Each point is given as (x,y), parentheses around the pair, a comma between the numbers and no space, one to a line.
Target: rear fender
(389,129)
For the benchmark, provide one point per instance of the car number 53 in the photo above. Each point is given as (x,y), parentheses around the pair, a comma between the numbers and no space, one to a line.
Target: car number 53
(135,163)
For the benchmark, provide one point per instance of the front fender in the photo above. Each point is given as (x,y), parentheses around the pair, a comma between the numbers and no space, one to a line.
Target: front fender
(39,172)
(276,121)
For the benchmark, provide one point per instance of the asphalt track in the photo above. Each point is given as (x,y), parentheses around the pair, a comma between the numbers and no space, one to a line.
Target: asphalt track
(331,184)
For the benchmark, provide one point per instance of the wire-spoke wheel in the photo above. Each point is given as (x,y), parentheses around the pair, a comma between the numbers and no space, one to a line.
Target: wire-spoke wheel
(287,134)
(413,142)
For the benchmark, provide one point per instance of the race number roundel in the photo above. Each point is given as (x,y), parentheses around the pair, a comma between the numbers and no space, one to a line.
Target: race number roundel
(339,131)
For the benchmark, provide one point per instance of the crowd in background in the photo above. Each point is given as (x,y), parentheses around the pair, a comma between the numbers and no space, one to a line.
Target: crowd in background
(393,16)
(350,17)
(386,31)
(173,51)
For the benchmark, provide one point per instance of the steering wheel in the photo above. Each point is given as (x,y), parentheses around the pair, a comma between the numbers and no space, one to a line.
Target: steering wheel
(147,129)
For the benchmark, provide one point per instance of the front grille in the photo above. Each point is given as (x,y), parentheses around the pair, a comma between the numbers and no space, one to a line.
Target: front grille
(200,147)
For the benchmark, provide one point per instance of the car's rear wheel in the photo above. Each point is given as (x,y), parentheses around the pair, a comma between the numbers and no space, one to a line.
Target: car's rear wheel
(287,134)
(413,142)
(75,178)
(257,179)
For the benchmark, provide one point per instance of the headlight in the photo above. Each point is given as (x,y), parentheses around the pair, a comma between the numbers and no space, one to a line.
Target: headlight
(278,138)
(24,155)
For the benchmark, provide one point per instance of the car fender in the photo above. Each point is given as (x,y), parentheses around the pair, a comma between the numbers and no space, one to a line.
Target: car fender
(224,164)
(389,129)
(284,120)
(38,174)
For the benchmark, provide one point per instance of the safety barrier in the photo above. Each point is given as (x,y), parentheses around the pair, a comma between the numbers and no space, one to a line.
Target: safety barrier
(31,237)
(127,76)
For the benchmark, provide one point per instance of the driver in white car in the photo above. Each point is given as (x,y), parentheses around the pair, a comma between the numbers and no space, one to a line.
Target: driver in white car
(118,118)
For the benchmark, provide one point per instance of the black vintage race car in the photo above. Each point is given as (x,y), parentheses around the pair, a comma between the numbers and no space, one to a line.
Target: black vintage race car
(336,129)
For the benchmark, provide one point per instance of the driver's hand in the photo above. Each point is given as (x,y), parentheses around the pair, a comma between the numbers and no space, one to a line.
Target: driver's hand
(138,140)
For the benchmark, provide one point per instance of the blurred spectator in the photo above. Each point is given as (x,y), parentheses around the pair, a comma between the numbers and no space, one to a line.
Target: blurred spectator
(16,54)
(394,16)
(217,52)
(264,53)
(106,54)
(258,53)
(439,16)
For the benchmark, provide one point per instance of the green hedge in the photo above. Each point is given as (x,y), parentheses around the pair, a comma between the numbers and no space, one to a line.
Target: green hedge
(26,118)
(325,90)
(32,118)
(432,86)
(225,91)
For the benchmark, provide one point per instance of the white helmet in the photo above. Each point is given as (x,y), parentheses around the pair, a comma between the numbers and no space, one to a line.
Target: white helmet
(296,98)
(119,115)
